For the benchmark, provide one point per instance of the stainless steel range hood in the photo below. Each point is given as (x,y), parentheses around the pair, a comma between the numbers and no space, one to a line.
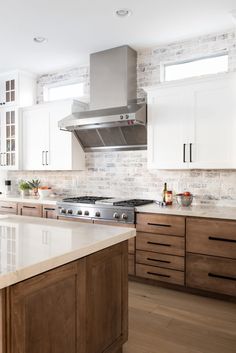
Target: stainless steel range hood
(115,120)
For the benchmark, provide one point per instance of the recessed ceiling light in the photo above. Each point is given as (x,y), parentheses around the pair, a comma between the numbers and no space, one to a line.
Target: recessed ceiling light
(123,13)
(40,40)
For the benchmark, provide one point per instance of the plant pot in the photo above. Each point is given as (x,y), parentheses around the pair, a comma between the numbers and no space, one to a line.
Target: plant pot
(24,193)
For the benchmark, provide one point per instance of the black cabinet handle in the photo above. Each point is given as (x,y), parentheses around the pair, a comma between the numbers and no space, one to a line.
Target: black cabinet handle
(164,261)
(8,207)
(158,274)
(184,146)
(49,209)
(190,151)
(222,239)
(32,207)
(159,225)
(154,243)
(210,274)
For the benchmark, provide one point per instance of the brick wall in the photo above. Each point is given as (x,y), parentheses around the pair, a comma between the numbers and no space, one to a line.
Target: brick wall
(124,174)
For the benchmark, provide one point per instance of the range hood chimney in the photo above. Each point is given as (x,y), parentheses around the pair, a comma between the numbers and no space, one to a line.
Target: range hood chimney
(115,120)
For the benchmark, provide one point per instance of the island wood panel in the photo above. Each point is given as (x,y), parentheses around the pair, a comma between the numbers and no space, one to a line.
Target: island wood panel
(160,260)
(8,207)
(30,209)
(160,224)
(78,307)
(2,322)
(211,273)
(50,211)
(160,243)
(211,237)
(107,293)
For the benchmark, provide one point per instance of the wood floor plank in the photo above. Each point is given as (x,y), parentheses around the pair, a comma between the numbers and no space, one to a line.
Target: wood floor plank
(167,321)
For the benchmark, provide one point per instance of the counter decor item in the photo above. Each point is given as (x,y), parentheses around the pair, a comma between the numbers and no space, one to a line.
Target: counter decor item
(24,188)
(184,199)
(34,185)
(44,191)
(7,187)
(167,196)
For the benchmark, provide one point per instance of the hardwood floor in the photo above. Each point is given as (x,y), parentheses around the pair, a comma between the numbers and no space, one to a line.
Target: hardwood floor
(167,321)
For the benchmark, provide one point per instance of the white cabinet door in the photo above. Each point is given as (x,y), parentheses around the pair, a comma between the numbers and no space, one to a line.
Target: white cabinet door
(170,128)
(35,139)
(215,124)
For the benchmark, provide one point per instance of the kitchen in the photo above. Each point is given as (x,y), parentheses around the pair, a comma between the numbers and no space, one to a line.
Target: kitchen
(182,262)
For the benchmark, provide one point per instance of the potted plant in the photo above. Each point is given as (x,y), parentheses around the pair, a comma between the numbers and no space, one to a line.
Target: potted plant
(34,186)
(24,188)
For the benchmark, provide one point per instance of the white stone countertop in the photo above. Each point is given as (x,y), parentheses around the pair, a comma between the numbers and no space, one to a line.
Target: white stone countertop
(30,246)
(207,211)
(30,199)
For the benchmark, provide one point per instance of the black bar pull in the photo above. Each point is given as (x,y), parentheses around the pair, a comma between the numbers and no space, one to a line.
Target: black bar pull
(190,151)
(158,274)
(164,261)
(184,146)
(29,207)
(221,276)
(49,209)
(8,207)
(159,225)
(222,239)
(154,243)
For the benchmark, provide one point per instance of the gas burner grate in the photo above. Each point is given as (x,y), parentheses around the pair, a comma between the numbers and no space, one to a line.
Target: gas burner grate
(85,199)
(132,203)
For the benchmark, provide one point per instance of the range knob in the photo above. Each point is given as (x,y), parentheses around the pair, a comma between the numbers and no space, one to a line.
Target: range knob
(121,117)
(69,212)
(127,116)
(97,214)
(124,216)
(86,213)
(79,213)
(116,215)
(63,211)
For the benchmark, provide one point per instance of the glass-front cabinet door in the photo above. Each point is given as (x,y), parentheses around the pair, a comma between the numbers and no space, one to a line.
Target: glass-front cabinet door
(8,140)
(8,86)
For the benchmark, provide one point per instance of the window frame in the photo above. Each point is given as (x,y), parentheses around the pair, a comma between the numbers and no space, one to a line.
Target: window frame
(176,63)
(47,87)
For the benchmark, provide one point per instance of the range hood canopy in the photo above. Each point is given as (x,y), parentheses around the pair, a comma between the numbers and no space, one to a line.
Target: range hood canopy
(114,120)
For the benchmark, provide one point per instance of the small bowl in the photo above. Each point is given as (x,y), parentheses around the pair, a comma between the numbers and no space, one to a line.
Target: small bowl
(184,200)
(43,193)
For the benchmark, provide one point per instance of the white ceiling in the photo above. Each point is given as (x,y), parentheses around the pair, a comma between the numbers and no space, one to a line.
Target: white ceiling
(75,28)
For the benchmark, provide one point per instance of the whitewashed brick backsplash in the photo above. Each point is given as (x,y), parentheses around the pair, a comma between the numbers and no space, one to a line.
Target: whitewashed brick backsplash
(125,174)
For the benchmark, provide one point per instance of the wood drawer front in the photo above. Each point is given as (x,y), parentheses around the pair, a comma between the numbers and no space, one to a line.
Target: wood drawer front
(8,207)
(29,209)
(50,211)
(160,260)
(160,224)
(211,273)
(160,274)
(131,265)
(163,244)
(211,237)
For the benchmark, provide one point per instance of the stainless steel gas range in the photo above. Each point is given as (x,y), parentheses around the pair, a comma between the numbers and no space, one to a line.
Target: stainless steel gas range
(103,208)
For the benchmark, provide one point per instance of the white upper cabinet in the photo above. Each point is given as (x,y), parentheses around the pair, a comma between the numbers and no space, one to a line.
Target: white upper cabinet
(45,146)
(192,124)
(17,88)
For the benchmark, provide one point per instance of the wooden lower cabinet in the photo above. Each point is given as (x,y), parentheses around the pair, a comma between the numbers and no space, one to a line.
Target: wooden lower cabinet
(8,207)
(50,211)
(160,274)
(29,209)
(160,260)
(211,273)
(79,307)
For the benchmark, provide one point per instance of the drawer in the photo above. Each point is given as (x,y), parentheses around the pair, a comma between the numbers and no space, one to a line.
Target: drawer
(160,224)
(163,244)
(211,237)
(50,211)
(211,273)
(29,209)
(160,274)
(8,207)
(160,260)
(131,264)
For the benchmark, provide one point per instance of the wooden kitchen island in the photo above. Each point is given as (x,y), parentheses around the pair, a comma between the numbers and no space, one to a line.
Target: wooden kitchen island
(63,286)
